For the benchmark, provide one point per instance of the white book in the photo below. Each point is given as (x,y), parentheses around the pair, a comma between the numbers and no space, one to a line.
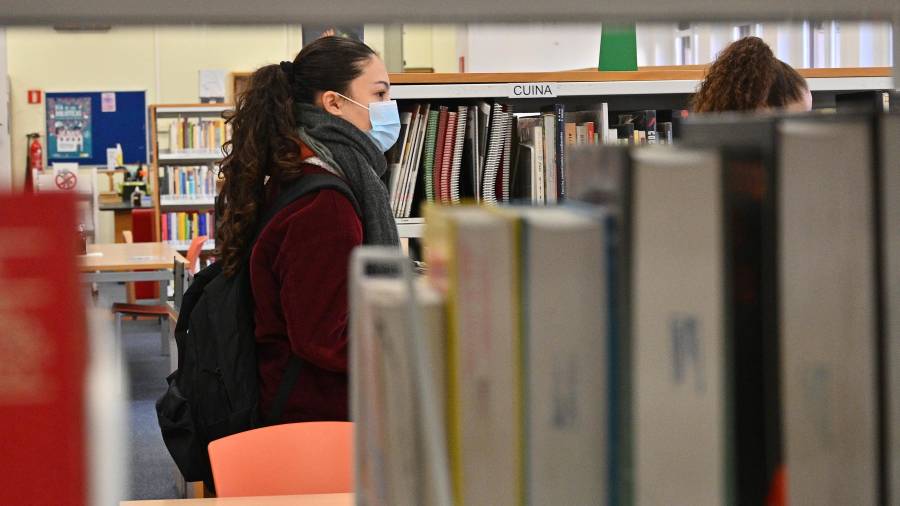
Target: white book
(603,127)
(531,132)
(565,340)
(827,315)
(476,248)
(412,152)
(678,329)
(890,183)
(539,195)
(612,136)
(173,137)
(581,135)
(390,456)
(397,165)
(550,193)
(415,163)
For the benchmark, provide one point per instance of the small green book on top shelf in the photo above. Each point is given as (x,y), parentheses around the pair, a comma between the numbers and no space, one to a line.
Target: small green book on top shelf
(618,48)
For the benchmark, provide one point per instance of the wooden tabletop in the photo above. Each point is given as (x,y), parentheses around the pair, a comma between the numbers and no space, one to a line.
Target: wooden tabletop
(128,257)
(281,500)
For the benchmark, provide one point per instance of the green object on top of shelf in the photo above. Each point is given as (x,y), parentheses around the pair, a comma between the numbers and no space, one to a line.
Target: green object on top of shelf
(618,47)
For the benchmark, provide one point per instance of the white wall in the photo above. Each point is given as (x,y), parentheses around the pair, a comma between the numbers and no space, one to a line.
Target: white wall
(5,149)
(861,44)
(538,47)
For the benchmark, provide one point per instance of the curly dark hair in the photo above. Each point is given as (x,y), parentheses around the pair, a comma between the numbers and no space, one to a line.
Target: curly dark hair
(264,144)
(747,76)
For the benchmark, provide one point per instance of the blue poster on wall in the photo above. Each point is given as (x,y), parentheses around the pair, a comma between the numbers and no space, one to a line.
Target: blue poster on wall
(69,135)
(107,119)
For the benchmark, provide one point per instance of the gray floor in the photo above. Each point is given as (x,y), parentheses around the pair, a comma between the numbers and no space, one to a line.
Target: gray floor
(152,470)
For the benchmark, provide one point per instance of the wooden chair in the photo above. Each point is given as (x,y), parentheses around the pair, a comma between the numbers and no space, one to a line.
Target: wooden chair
(289,459)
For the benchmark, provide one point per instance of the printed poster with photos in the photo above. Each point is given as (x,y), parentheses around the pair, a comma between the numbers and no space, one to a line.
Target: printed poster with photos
(69,128)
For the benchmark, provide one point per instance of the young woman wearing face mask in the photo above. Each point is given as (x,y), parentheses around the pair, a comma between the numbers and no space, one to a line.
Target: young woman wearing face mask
(327,112)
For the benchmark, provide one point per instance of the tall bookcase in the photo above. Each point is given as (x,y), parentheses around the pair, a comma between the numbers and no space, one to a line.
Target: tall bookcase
(646,88)
(164,155)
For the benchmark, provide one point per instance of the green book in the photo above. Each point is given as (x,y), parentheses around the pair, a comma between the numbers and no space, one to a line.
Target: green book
(618,47)
(428,163)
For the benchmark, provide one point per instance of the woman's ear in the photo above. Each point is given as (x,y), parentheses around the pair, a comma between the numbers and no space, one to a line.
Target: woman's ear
(332,103)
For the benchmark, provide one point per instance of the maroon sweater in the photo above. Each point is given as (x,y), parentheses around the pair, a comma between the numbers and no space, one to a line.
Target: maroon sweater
(298,273)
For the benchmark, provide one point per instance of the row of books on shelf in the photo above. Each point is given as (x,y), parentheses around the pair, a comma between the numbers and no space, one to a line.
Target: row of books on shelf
(187,183)
(185,226)
(488,153)
(719,327)
(198,135)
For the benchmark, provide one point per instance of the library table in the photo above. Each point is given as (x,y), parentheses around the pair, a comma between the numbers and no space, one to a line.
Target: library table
(129,262)
(278,500)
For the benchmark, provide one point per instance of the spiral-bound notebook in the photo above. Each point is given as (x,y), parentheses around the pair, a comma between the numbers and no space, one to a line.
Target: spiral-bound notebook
(443,117)
(447,162)
(494,153)
(428,163)
(507,154)
(461,121)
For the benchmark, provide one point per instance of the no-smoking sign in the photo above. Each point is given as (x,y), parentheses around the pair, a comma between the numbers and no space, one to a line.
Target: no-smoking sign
(66,180)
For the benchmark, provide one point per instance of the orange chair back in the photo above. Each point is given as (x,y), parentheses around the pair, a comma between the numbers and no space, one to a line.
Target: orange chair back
(289,459)
(193,253)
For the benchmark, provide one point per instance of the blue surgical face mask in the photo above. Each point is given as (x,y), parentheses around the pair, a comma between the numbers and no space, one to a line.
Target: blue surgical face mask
(385,119)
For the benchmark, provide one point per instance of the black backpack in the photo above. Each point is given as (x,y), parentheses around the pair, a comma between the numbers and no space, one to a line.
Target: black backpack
(214,392)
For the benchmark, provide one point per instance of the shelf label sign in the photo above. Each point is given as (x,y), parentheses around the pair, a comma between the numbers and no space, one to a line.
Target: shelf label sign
(533,90)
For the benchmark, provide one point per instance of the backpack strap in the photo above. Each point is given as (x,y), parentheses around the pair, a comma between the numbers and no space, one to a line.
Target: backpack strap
(288,381)
(304,185)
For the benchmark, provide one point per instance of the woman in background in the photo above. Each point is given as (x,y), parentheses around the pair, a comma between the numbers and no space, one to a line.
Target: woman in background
(748,77)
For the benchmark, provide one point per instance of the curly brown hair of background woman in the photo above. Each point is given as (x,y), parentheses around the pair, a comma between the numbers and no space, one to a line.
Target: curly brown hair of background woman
(747,77)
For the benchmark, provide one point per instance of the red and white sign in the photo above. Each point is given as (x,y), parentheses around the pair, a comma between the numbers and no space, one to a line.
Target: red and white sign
(35,96)
(66,180)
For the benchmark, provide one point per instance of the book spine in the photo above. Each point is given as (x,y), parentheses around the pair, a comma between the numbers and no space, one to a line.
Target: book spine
(165,227)
(539,168)
(561,150)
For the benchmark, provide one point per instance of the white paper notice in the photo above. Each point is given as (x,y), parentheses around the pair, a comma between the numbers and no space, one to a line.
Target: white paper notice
(108,102)
(212,85)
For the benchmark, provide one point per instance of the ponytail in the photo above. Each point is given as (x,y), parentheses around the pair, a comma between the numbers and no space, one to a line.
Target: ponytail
(263,143)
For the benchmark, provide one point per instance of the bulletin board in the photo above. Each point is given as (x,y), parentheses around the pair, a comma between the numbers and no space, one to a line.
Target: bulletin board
(80,126)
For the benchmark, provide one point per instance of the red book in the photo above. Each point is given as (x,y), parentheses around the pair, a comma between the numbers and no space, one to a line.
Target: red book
(42,353)
(447,161)
(439,152)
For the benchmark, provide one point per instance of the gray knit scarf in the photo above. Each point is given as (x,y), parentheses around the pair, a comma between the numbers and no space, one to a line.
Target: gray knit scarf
(349,150)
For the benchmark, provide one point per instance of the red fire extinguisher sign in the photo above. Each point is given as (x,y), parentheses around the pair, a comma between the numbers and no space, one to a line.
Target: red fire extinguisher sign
(34,96)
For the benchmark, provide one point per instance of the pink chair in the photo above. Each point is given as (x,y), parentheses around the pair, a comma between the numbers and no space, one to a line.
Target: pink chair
(289,459)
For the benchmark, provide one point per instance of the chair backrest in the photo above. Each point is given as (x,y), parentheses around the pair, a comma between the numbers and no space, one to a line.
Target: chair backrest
(294,458)
(193,253)
(143,230)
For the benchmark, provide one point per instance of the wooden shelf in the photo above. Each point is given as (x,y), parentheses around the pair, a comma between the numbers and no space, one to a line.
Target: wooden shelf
(183,202)
(648,81)
(192,110)
(185,157)
(669,73)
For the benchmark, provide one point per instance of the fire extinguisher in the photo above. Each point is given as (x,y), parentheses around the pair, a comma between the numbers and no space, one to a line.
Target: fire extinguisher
(35,159)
